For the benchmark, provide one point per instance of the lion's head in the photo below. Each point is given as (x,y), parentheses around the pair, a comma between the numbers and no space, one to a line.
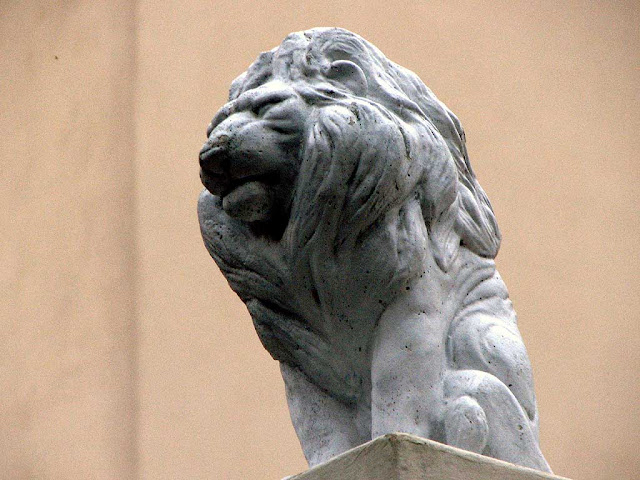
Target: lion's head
(326,126)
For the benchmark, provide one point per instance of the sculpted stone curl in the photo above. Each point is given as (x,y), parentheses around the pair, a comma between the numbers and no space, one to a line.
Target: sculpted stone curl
(341,207)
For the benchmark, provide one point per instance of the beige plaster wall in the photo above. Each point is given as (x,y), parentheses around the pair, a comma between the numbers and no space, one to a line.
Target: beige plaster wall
(103,262)
(67,231)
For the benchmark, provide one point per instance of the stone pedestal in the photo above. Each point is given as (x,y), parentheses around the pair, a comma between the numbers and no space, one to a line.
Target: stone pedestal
(399,456)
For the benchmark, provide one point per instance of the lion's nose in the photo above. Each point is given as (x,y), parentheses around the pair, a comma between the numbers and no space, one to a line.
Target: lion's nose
(212,156)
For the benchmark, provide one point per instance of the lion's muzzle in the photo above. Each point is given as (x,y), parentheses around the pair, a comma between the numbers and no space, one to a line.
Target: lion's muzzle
(250,159)
(245,197)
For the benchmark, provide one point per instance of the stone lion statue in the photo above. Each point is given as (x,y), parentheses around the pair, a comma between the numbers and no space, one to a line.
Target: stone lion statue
(341,207)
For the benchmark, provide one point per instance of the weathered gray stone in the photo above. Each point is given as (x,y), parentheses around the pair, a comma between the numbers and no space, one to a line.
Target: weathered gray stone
(407,457)
(342,208)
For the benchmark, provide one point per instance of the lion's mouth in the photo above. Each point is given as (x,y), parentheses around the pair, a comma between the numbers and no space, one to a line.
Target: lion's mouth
(247,197)
(217,178)
(246,164)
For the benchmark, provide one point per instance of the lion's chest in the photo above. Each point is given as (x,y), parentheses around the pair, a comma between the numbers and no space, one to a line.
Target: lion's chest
(339,296)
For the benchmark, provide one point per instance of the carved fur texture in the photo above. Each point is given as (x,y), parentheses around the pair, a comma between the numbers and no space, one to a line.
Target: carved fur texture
(341,206)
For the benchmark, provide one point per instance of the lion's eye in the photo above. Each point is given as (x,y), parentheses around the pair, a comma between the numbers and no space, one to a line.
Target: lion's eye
(264,108)
(264,103)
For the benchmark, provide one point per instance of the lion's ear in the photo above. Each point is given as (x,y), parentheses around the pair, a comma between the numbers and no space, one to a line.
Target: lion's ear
(349,75)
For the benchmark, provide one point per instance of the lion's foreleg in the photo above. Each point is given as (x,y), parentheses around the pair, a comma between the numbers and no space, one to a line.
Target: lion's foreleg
(325,426)
(406,374)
